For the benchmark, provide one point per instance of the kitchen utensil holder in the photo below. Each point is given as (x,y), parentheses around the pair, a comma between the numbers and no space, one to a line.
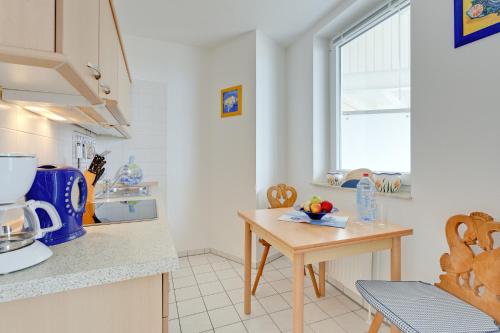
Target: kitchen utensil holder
(89,178)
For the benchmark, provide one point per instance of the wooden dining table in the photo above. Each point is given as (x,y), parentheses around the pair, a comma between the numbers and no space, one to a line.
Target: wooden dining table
(305,243)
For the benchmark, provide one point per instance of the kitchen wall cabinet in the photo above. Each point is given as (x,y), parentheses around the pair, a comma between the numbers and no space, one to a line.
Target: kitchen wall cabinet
(109,48)
(115,81)
(77,36)
(68,50)
(139,305)
(124,89)
(28,24)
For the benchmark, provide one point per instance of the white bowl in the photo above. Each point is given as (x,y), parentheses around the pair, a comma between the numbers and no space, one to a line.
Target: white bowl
(17,172)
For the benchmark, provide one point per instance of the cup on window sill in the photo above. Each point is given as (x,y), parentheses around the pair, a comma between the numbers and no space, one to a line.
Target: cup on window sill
(386,182)
(335,178)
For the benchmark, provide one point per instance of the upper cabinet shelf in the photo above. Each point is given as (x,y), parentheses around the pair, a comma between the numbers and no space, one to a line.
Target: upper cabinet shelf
(66,47)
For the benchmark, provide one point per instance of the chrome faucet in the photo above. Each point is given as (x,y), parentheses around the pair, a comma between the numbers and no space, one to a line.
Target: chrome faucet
(109,185)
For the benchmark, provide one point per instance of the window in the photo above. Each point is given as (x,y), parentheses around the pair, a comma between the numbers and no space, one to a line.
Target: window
(373,92)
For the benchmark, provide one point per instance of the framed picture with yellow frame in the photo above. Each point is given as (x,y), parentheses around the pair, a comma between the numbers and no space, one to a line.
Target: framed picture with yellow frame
(231,101)
(475,19)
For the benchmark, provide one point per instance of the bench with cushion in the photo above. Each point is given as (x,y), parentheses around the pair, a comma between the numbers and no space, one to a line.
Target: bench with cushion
(467,298)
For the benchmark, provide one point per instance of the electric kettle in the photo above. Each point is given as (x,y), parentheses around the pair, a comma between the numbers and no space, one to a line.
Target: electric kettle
(66,189)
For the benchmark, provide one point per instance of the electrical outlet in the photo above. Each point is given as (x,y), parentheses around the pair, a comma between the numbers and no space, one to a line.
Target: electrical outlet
(83,150)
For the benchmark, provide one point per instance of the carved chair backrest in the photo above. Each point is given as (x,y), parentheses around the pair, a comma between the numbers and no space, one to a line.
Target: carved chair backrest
(281,196)
(472,267)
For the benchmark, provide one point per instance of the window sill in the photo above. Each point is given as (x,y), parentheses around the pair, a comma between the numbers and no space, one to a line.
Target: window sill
(403,194)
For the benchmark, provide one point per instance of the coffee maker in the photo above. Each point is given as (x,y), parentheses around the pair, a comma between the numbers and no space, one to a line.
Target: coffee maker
(19,224)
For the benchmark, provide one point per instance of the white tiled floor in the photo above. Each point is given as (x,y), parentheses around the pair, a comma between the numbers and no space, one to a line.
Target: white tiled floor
(207,296)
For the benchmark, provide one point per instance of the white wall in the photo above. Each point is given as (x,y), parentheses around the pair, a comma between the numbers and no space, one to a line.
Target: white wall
(245,154)
(229,145)
(455,117)
(168,130)
(212,166)
(454,133)
(271,136)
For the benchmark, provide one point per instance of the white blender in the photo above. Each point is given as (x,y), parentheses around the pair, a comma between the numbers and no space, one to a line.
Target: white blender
(19,224)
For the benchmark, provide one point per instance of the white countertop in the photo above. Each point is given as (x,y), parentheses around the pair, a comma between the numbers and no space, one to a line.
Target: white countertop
(106,254)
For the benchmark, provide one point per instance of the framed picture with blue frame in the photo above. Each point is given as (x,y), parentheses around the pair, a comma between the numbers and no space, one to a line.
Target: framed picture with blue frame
(475,19)
(231,101)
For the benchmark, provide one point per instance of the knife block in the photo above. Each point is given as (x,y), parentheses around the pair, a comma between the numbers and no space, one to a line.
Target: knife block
(89,178)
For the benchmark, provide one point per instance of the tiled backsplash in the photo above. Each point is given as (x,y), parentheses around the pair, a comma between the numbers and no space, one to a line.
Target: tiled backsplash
(148,130)
(25,132)
(52,142)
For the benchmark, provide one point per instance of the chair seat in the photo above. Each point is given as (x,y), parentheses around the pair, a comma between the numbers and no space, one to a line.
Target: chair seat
(418,307)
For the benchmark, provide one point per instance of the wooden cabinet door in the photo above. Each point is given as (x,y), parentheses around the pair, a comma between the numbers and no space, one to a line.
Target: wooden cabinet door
(132,306)
(28,24)
(124,89)
(77,36)
(109,48)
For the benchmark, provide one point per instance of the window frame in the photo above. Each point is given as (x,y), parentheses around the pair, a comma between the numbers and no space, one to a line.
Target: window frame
(384,12)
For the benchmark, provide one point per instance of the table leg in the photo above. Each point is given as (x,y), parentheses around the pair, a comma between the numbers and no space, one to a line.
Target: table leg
(298,293)
(395,266)
(248,269)
(396,259)
(322,279)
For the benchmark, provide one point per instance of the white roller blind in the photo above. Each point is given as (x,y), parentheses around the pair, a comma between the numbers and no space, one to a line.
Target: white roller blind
(373,91)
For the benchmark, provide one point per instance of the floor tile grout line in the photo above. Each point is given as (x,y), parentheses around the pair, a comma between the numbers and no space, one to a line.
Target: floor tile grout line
(225,293)
(265,311)
(291,307)
(233,304)
(258,301)
(176,305)
(204,305)
(202,299)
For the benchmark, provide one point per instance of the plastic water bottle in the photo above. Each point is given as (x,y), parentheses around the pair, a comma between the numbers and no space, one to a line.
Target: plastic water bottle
(365,199)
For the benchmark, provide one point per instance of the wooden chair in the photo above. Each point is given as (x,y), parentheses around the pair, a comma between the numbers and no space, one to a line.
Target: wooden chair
(467,297)
(280,196)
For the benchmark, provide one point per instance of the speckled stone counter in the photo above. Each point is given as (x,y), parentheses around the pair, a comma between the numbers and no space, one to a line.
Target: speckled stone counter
(106,254)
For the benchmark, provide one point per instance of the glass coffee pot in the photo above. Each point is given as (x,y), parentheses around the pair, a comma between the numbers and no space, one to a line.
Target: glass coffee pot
(20,226)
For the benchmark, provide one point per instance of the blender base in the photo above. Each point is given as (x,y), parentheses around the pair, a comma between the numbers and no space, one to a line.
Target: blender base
(25,257)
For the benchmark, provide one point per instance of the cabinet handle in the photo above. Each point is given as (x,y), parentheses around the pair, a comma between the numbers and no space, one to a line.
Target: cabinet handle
(105,88)
(95,69)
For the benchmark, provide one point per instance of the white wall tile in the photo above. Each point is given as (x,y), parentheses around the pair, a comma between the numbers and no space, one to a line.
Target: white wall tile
(25,132)
(8,116)
(8,139)
(26,143)
(149,139)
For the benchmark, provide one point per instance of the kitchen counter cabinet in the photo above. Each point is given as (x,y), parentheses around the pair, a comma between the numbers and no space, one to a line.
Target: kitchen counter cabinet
(113,279)
(106,254)
(132,306)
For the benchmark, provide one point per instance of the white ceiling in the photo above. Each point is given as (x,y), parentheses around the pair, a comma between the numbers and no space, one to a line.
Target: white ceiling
(208,22)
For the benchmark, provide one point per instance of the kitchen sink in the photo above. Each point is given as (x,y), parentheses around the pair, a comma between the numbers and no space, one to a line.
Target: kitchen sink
(123,211)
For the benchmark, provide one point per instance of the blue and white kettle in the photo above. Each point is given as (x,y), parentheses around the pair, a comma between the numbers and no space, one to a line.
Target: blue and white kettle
(66,189)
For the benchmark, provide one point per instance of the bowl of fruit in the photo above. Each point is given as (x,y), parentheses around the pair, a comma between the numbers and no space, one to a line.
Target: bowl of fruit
(316,208)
